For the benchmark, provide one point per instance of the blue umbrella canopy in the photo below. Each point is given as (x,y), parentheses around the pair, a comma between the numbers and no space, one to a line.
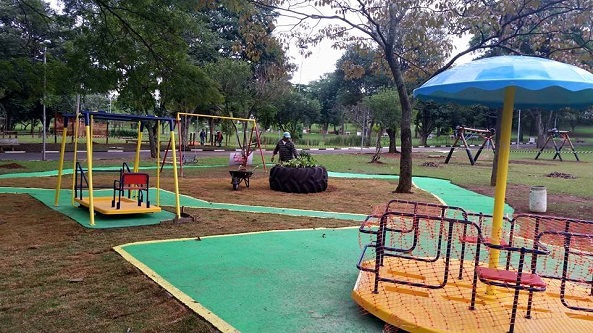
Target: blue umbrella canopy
(507,82)
(538,82)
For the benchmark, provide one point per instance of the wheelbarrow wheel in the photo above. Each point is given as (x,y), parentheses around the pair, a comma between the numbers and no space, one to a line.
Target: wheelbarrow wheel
(235,183)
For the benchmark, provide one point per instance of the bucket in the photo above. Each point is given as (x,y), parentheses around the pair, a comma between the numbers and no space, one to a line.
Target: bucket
(538,199)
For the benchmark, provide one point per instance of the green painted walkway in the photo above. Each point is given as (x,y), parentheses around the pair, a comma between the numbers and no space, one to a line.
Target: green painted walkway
(449,193)
(285,281)
(290,281)
(295,281)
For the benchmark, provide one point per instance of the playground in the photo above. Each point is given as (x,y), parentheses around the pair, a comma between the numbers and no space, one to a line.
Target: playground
(90,281)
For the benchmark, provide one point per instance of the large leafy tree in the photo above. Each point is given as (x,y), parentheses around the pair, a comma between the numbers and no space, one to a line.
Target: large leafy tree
(244,59)
(412,32)
(295,109)
(361,76)
(326,91)
(139,49)
(24,25)
(386,113)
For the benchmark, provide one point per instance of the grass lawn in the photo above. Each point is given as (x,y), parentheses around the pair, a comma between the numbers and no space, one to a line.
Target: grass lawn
(57,276)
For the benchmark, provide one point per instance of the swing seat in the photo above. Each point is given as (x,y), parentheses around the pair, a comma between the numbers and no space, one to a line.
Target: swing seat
(131,181)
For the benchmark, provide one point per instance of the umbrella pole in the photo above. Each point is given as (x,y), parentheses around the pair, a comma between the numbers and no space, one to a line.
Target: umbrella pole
(501,176)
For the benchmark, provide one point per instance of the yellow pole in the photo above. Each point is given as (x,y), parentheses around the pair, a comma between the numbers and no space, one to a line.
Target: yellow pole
(158,161)
(89,156)
(75,157)
(175,178)
(61,165)
(137,160)
(178,122)
(501,175)
(210,116)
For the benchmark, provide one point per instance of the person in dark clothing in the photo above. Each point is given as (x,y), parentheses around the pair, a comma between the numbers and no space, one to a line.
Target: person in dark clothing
(286,149)
(202,137)
(219,138)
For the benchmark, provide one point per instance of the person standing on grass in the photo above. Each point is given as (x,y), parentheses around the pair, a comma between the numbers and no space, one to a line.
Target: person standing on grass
(202,137)
(286,149)
(219,138)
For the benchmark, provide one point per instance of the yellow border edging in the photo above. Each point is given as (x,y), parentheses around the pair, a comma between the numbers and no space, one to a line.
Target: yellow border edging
(198,308)
(193,304)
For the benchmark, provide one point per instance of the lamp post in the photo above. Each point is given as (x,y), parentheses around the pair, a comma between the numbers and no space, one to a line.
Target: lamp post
(44,118)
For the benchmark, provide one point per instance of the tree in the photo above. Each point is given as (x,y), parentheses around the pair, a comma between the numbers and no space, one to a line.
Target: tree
(24,25)
(384,110)
(412,32)
(326,90)
(427,119)
(295,109)
(140,49)
(245,59)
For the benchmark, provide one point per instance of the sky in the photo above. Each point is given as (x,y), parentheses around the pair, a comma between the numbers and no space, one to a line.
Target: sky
(323,60)
(323,57)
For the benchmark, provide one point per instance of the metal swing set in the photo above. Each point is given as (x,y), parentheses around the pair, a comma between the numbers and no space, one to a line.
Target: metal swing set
(461,133)
(242,157)
(552,135)
(130,190)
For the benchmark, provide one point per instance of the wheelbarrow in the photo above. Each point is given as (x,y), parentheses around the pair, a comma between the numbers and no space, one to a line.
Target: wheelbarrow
(239,176)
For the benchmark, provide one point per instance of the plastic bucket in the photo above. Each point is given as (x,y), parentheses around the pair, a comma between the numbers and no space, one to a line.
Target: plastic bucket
(538,199)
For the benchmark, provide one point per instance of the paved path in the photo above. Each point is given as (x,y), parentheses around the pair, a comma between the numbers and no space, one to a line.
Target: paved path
(54,155)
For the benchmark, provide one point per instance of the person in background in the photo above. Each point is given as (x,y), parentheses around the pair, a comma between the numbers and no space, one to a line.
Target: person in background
(219,138)
(202,137)
(285,147)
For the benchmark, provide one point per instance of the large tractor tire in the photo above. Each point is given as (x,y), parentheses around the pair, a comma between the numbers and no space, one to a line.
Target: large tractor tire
(298,180)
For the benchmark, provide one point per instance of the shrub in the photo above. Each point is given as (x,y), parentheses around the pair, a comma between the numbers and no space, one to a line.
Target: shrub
(343,141)
(122,132)
(305,160)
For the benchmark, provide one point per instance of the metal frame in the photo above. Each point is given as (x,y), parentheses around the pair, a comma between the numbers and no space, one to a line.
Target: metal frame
(89,117)
(552,135)
(245,150)
(524,278)
(487,135)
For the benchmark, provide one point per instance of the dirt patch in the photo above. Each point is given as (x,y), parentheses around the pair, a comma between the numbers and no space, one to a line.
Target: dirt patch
(57,274)
(560,175)
(430,164)
(12,166)
(526,162)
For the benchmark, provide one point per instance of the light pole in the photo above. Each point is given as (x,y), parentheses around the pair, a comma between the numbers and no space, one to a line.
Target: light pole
(44,118)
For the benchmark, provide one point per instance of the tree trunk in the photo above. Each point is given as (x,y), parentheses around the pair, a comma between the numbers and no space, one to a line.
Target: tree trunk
(423,140)
(378,148)
(152,130)
(211,136)
(392,141)
(369,132)
(405,166)
(541,127)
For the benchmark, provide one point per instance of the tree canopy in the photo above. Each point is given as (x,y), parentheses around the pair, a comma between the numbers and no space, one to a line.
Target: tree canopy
(417,36)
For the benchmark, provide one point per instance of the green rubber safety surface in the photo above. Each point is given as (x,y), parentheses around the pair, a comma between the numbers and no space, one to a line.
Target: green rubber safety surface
(290,281)
(81,214)
(451,194)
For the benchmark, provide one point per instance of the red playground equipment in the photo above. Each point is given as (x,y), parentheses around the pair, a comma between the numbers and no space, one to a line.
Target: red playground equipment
(430,268)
